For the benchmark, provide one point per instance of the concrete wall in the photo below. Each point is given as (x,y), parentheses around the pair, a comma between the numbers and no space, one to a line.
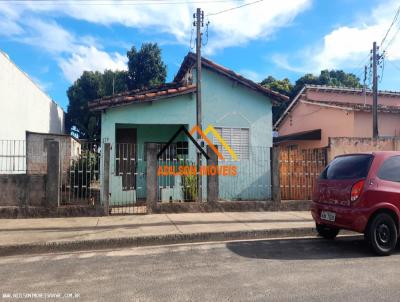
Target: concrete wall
(305,117)
(388,124)
(22,190)
(345,145)
(24,106)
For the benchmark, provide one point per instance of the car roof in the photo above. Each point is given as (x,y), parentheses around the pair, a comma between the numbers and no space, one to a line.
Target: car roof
(374,153)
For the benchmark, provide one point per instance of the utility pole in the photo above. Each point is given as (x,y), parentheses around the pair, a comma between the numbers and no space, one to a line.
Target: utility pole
(375,55)
(199,23)
(365,85)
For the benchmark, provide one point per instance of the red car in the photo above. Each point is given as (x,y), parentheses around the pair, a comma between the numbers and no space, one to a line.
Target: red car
(360,192)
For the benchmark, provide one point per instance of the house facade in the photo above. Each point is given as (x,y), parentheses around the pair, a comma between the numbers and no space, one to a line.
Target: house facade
(319,113)
(238,109)
(24,106)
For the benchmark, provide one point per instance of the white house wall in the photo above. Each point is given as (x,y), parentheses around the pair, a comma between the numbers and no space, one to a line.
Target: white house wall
(24,106)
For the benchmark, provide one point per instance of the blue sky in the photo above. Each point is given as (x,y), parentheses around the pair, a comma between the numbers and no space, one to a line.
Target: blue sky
(55,41)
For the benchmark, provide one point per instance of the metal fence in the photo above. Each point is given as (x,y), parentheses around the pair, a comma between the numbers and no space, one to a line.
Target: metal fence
(253,176)
(80,174)
(177,175)
(12,156)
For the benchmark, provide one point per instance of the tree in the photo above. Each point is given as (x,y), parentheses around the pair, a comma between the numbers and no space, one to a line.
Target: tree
(326,77)
(79,120)
(145,67)
(282,86)
(90,86)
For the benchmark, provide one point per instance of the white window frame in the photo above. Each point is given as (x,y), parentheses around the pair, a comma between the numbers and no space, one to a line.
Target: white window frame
(237,148)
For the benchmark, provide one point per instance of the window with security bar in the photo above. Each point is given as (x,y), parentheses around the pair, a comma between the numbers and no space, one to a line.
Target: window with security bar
(237,138)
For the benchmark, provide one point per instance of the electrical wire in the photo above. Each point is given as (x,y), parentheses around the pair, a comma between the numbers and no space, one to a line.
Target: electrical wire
(234,8)
(207,24)
(111,2)
(391,25)
(191,40)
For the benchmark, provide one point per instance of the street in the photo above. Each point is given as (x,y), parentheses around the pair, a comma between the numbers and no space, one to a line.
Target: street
(262,270)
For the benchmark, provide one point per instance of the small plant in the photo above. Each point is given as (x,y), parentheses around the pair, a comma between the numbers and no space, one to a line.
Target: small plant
(189,183)
(189,187)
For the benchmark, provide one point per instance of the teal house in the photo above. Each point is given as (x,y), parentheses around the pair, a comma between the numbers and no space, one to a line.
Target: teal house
(237,108)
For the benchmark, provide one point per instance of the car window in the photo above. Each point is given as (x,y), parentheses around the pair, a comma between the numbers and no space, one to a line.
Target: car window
(348,167)
(390,169)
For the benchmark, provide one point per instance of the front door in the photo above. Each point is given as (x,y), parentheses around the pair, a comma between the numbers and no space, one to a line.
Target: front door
(126,157)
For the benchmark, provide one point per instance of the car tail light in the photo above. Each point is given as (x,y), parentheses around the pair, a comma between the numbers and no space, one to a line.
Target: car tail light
(356,190)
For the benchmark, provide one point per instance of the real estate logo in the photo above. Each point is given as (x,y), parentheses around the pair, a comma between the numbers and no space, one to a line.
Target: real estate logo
(222,170)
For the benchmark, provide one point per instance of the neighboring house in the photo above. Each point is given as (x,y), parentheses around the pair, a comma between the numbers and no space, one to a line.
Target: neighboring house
(318,113)
(24,106)
(239,109)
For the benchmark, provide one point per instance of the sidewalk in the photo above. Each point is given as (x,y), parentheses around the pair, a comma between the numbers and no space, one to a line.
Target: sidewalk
(65,234)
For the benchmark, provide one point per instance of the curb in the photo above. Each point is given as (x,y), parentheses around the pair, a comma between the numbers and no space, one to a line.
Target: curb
(99,244)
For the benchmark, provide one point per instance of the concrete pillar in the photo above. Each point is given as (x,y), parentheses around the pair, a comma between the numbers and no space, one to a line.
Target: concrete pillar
(106,179)
(212,180)
(275,174)
(151,177)
(53,174)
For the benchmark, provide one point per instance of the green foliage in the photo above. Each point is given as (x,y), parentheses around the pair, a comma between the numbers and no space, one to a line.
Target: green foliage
(326,77)
(189,187)
(282,86)
(145,67)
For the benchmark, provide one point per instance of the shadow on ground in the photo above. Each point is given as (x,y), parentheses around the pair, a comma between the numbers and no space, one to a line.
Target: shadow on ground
(303,249)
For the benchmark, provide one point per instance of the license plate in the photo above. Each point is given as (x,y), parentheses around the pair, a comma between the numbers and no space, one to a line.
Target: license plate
(329,216)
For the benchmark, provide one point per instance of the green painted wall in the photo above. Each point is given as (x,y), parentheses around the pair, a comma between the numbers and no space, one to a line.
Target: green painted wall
(225,104)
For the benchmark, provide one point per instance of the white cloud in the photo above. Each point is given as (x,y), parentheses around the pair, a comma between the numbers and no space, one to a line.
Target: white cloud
(347,46)
(74,54)
(260,20)
(35,24)
(90,58)
(232,28)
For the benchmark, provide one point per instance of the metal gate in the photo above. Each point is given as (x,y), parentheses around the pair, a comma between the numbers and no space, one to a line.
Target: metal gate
(298,171)
(127,179)
(79,173)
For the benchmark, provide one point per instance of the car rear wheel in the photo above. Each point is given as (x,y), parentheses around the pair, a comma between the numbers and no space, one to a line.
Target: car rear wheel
(382,234)
(326,231)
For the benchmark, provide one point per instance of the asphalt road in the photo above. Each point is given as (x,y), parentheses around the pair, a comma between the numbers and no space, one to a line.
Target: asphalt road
(273,270)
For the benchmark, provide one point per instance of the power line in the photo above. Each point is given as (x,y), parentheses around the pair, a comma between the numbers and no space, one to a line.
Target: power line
(109,2)
(392,40)
(233,8)
(391,25)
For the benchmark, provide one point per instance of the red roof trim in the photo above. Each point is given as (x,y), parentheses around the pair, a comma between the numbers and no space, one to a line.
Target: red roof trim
(137,96)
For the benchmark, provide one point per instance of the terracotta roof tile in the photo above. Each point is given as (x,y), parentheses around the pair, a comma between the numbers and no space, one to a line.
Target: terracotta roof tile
(137,96)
